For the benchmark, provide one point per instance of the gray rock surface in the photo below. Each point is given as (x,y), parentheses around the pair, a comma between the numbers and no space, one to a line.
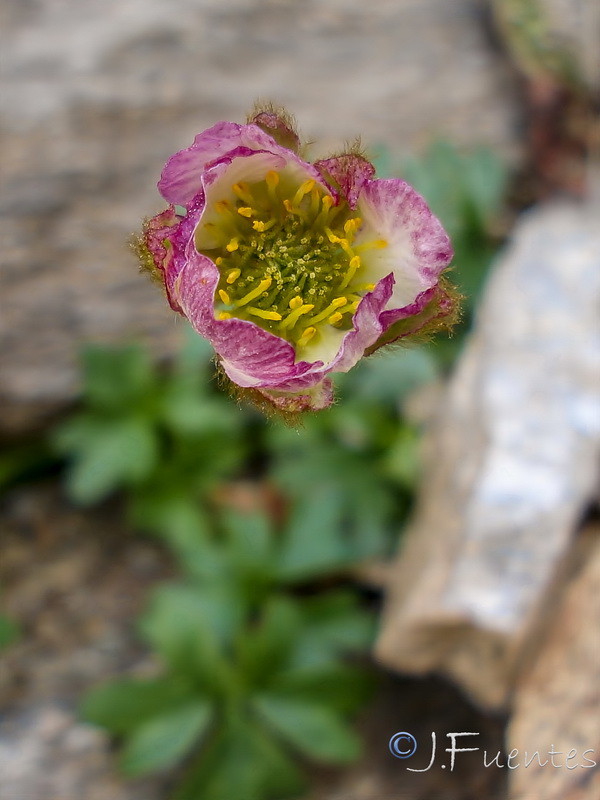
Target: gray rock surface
(511,464)
(97,94)
(557,702)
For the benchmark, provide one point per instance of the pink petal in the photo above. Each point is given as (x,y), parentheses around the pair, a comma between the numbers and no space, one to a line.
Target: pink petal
(397,213)
(350,172)
(181,177)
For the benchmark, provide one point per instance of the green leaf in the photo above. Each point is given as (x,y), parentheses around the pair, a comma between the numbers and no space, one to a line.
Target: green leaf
(188,413)
(391,376)
(185,527)
(350,504)
(311,544)
(114,454)
(315,731)
(117,378)
(163,741)
(242,763)
(121,706)
(250,540)
(264,647)
(334,624)
(9,632)
(485,177)
(189,626)
(343,687)
(402,461)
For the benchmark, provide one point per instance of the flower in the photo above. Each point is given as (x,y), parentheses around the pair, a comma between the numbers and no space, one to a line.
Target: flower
(292,270)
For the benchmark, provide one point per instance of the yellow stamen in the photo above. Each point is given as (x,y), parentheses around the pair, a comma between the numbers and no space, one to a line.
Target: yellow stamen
(224,315)
(272,179)
(364,287)
(305,188)
(354,265)
(332,237)
(258,312)
(335,318)
(242,190)
(351,226)
(327,202)
(295,302)
(306,336)
(258,290)
(232,246)
(233,275)
(337,303)
(260,226)
(295,315)
(245,211)
(315,197)
(224,297)
(218,261)
(222,206)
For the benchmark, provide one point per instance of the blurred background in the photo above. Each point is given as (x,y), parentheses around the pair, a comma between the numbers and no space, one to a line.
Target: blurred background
(200,604)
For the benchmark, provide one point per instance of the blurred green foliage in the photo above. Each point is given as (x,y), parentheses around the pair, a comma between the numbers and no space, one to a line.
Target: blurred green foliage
(252,642)
(253,639)
(9,632)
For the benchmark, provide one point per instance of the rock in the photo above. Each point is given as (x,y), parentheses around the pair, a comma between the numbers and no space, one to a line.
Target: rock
(554,40)
(97,95)
(510,465)
(556,702)
(47,753)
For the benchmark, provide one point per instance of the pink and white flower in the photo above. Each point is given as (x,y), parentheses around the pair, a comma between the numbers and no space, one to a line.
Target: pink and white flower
(292,270)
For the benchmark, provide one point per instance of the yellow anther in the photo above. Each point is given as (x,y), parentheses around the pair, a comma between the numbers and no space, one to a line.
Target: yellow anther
(364,287)
(258,290)
(260,226)
(335,318)
(222,206)
(327,201)
(232,246)
(288,206)
(258,312)
(305,188)
(352,225)
(242,190)
(337,303)
(224,315)
(272,179)
(293,317)
(224,297)
(245,211)
(332,237)
(306,336)
(233,275)
(295,302)
(218,261)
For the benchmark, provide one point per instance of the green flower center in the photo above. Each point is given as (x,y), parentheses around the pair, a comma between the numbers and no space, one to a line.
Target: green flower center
(286,258)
